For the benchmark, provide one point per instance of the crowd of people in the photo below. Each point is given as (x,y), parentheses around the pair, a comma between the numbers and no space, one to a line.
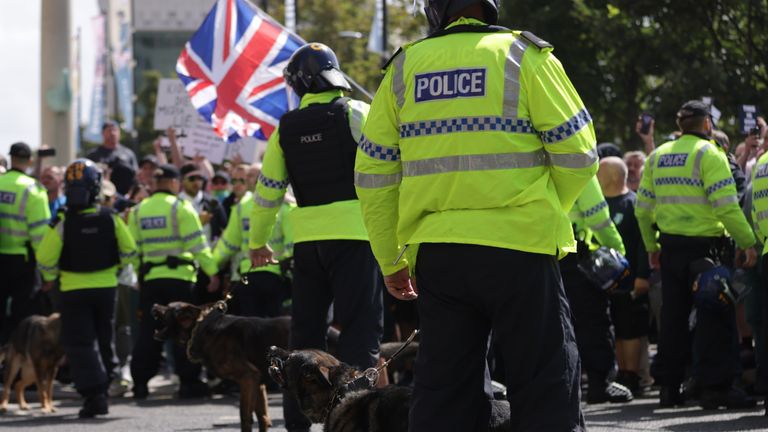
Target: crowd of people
(321,232)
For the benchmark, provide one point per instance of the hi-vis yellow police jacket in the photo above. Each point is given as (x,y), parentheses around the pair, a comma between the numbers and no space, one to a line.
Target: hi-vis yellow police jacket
(760,200)
(687,189)
(235,238)
(476,138)
(164,226)
(592,218)
(341,220)
(24,213)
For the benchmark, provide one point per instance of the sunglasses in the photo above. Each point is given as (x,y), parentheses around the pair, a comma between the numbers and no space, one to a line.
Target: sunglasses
(237,180)
(194,178)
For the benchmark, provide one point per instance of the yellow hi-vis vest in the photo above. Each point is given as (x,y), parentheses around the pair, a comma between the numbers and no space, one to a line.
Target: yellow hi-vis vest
(760,200)
(687,189)
(24,213)
(591,217)
(475,138)
(165,225)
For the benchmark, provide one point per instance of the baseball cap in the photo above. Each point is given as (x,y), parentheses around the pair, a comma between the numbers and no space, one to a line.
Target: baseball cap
(693,108)
(222,175)
(608,149)
(20,150)
(150,159)
(167,171)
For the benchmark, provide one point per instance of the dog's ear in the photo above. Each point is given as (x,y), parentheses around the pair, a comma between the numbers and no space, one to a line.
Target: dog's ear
(158,311)
(317,373)
(187,315)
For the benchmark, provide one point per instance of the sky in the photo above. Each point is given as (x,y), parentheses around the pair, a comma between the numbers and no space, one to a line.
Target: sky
(20,71)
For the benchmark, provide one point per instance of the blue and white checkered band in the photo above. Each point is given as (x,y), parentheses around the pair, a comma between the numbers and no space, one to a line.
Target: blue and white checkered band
(7,197)
(568,129)
(451,84)
(466,124)
(149,223)
(760,194)
(376,151)
(761,170)
(672,160)
(246,224)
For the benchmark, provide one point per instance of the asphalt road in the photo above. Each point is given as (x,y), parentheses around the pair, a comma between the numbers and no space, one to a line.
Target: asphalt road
(161,412)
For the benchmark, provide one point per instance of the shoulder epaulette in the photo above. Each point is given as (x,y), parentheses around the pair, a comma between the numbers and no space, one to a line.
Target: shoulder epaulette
(532,38)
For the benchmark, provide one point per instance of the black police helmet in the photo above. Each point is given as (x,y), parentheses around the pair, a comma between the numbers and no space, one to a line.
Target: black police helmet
(314,68)
(439,11)
(82,183)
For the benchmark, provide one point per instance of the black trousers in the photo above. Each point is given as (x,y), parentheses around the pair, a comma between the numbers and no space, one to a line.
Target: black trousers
(465,291)
(345,273)
(714,343)
(591,321)
(88,337)
(147,351)
(262,297)
(18,284)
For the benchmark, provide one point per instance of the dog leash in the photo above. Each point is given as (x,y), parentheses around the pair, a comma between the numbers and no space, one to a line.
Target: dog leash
(368,379)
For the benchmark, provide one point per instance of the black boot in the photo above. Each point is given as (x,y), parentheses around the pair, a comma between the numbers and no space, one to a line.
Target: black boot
(140,391)
(93,406)
(600,391)
(732,398)
(670,396)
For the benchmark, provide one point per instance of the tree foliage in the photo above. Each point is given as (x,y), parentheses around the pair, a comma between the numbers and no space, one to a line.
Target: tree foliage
(628,56)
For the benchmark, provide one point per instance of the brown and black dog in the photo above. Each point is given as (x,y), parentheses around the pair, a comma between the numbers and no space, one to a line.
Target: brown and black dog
(320,383)
(35,350)
(233,347)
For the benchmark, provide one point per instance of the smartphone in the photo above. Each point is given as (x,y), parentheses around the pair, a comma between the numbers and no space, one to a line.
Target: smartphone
(46,152)
(645,127)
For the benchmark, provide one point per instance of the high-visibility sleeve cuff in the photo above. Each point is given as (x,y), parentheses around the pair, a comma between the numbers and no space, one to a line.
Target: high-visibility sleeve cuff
(388,268)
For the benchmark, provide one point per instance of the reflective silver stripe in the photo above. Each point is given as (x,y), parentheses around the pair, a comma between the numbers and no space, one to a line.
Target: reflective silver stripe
(41,222)
(127,255)
(652,163)
(645,205)
(583,160)
(512,77)
(569,128)
(478,162)
(697,161)
(198,248)
(175,218)
(12,216)
(466,124)
(398,79)
(46,268)
(23,202)
(265,202)
(724,201)
(682,200)
(36,239)
(60,229)
(762,215)
(604,224)
(164,252)
(371,181)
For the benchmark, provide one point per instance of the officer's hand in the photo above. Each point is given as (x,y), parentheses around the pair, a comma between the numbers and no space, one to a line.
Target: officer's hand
(48,286)
(653,259)
(746,258)
(262,256)
(401,286)
(205,217)
(213,285)
(642,286)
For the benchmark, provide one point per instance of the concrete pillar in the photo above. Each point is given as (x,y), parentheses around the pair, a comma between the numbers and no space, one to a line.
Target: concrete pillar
(55,127)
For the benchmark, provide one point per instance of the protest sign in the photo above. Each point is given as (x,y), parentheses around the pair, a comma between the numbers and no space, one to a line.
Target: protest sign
(248,148)
(747,118)
(173,107)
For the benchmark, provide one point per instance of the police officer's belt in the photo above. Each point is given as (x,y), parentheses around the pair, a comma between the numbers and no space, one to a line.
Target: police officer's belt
(172,262)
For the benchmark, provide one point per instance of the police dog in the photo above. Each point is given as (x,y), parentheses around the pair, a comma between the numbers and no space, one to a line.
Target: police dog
(233,347)
(36,351)
(320,383)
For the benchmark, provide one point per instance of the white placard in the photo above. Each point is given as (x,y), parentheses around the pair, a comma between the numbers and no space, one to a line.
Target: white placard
(173,107)
(248,149)
(201,140)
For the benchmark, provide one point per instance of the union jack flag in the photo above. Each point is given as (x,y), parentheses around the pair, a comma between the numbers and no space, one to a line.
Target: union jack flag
(232,68)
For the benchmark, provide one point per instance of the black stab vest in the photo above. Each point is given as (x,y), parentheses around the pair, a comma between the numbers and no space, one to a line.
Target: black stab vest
(90,243)
(319,153)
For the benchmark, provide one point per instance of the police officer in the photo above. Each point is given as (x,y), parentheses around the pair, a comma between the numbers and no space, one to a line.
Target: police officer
(476,147)
(760,219)
(263,288)
(314,150)
(84,247)
(24,214)
(171,244)
(687,191)
(591,218)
